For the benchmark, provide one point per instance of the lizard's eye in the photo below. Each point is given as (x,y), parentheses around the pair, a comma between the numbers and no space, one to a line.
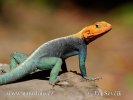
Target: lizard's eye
(97,26)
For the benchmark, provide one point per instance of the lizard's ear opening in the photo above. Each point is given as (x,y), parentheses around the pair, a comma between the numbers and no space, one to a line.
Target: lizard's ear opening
(86,34)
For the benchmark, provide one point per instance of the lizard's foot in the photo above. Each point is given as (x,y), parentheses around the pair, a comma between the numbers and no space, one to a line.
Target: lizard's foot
(53,82)
(63,82)
(86,78)
(4,70)
(59,82)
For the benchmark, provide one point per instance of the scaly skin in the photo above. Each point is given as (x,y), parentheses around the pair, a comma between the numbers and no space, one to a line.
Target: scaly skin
(52,55)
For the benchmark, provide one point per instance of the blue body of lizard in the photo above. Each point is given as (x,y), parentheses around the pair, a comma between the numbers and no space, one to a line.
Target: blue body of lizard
(50,55)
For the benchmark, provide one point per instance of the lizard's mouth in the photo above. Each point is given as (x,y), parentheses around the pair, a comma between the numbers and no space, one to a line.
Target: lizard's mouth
(104,32)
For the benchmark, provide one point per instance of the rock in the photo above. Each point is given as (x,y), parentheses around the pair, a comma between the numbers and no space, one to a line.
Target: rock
(71,87)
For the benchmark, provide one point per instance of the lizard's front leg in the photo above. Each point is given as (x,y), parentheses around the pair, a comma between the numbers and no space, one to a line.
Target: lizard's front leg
(82,59)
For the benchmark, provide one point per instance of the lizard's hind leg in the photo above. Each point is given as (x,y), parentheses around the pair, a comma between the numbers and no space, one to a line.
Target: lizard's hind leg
(53,63)
(15,59)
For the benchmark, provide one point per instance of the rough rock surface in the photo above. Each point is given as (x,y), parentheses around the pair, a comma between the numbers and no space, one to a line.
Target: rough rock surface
(36,87)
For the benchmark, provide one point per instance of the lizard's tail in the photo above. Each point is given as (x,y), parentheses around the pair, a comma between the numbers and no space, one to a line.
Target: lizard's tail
(23,69)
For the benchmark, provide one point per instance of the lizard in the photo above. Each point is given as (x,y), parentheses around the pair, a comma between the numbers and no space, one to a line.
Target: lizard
(52,55)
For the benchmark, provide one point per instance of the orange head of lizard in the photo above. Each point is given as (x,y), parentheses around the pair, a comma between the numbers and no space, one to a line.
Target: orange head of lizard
(94,31)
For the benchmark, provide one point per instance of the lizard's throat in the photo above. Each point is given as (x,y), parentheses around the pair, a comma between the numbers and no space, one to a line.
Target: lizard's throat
(89,39)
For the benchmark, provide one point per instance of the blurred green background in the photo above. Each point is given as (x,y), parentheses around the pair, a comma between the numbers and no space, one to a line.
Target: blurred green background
(26,24)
